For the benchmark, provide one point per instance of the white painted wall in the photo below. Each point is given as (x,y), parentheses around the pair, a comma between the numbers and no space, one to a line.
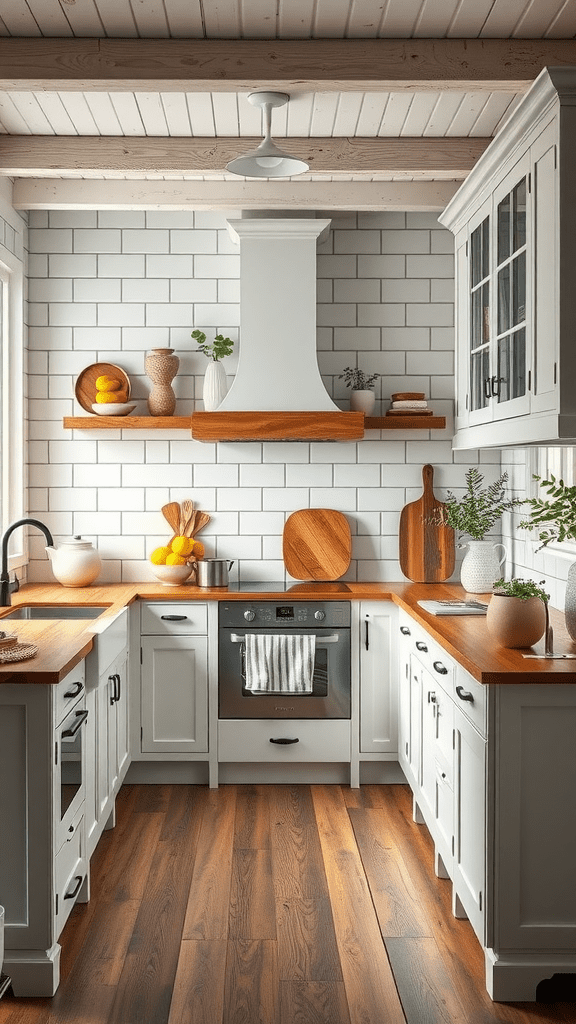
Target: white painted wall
(108,286)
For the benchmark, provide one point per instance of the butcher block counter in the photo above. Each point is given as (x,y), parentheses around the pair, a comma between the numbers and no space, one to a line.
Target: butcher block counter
(63,643)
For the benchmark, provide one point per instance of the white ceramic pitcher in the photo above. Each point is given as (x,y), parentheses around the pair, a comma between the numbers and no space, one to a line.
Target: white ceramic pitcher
(481,566)
(75,563)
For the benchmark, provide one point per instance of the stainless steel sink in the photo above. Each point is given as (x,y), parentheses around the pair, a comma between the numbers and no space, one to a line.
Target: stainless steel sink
(55,611)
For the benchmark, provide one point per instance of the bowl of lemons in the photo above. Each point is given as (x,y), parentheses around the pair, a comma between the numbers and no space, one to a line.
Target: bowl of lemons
(173,563)
(111,398)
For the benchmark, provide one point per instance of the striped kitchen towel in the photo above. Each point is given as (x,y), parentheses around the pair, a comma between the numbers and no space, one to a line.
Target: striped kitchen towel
(280,662)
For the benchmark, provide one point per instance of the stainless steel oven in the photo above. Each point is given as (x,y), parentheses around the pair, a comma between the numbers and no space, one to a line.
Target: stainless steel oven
(328,622)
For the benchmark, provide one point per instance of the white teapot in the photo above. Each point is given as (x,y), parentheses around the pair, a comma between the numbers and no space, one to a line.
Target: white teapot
(76,563)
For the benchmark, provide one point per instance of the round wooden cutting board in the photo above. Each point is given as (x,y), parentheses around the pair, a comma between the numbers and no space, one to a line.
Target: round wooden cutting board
(316,544)
(85,389)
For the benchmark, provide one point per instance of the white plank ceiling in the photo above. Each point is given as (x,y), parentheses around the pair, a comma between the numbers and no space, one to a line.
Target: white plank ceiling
(409,112)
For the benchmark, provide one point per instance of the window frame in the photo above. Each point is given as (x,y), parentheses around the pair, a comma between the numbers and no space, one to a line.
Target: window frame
(12,468)
(534,466)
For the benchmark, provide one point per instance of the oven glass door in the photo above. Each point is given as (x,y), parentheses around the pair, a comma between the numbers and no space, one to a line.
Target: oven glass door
(71,761)
(330,696)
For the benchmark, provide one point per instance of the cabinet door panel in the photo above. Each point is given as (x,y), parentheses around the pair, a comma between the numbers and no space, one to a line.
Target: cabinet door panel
(174,694)
(378,698)
(470,820)
(545,272)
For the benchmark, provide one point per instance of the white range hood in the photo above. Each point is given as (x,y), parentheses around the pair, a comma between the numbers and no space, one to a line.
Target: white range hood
(277,366)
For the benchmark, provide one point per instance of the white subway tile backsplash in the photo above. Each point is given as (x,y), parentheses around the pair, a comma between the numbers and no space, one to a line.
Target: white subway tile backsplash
(212,475)
(434,314)
(154,475)
(47,290)
(430,266)
(97,240)
(284,499)
(366,241)
(71,265)
(121,266)
(185,290)
(123,314)
(172,266)
(361,475)
(76,499)
(312,475)
(264,475)
(72,314)
(49,241)
(389,314)
(198,241)
(216,266)
(112,499)
(242,499)
(144,290)
(343,499)
(146,241)
(262,522)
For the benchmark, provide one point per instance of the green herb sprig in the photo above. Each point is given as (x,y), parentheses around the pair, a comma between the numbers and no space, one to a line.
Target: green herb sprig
(524,589)
(219,348)
(357,379)
(555,517)
(479,509)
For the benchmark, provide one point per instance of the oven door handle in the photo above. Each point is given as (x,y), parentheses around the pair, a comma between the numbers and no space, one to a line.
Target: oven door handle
(235,638)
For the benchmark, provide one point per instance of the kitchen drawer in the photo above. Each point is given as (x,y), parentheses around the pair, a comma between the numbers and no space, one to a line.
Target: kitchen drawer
(470,696)
(68,690)
(70,870)
(175,618)
(245,740)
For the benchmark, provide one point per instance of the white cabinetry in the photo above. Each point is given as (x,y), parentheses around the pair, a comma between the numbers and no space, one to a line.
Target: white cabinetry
(44,736)
(378,697)
(514,221)
(174,678)
(107,701)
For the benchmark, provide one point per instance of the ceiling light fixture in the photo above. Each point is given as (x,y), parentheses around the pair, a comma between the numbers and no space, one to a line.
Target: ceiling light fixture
(267,161)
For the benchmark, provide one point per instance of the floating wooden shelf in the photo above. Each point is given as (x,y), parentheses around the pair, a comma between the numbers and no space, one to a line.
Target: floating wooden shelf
(127,422)
(405,422)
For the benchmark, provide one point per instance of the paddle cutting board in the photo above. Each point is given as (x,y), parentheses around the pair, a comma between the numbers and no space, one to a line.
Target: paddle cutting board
(427,552)
(316,544)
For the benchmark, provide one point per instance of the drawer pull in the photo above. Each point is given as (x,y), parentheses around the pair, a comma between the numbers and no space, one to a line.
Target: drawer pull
(74,892)
(465,694)
(81,717)
(77,688)
(284,740)
(420,646)
(440,668)
(405,630)
(174,618)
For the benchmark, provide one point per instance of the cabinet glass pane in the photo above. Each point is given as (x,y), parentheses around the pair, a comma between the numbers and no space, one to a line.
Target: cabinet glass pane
(504,299)
(479,379)
(480,316)
(479,242)
(511,366)
(519,289)
(504,216)
(519,216)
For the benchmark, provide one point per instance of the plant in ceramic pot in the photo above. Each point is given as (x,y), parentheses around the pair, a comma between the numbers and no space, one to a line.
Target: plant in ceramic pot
(555,520)
(362,396)
(215,386)
(517,614)
(475,514)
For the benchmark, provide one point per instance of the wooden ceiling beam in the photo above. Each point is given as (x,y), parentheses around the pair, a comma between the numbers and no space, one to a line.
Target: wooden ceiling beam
(34,155)
(51,194)
(291,65)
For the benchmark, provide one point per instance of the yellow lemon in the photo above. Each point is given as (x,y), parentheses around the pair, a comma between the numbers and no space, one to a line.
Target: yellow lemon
(106,384)
(198,551)
(101,381)
(105,397)
(159,555)
(173,559)
(182,546)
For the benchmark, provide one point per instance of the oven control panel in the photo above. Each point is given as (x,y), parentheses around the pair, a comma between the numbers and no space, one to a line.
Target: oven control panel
(291,614)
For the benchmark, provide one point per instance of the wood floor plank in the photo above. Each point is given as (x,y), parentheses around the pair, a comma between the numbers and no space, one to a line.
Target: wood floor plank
(208,905)
(198,996)
(252,818)
(313,1002)
(297,864)
(307,947)
(144,991)
(251,992)
(396,900)
(425,988)
(119,869)
(370,988)
(252,909)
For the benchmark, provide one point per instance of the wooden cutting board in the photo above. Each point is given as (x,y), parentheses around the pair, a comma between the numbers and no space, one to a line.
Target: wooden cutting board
(316,544)
(427,552)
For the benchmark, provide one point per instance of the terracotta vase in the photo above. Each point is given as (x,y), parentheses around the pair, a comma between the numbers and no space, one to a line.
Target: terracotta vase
(513,622)
(161,367)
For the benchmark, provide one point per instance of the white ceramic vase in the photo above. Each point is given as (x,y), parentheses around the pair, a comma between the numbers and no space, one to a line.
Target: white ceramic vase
(570,601)
(215,385)
(362,401)
(481,566)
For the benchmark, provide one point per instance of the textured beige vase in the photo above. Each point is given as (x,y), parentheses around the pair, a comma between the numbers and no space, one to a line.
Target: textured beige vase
(161,367)
(513,622)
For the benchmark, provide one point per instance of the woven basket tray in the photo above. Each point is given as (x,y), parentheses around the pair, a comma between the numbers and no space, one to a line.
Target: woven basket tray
(19,652)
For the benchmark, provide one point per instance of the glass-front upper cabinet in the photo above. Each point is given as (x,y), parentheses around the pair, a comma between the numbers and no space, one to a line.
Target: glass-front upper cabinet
(497,286)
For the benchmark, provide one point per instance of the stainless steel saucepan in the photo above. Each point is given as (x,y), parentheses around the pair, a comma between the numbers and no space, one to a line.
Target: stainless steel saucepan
(213,572)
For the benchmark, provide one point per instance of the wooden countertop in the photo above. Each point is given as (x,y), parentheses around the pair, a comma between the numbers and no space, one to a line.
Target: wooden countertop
(63,643)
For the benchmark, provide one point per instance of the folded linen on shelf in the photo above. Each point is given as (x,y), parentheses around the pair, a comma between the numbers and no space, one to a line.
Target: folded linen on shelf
(409,405)
(280,662)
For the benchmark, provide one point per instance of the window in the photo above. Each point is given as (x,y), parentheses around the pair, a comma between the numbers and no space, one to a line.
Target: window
(559,462)
(11,403)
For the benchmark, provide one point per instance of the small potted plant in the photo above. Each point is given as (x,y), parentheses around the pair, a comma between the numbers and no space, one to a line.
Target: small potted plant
(475,514)
(555,520)
(215,385)
(362,397)
(517,614)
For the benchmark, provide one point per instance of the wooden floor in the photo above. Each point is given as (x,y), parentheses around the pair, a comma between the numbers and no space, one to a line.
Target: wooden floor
(269,905)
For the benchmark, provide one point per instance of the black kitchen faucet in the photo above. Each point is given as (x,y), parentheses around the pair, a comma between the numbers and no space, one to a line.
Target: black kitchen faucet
(6,588)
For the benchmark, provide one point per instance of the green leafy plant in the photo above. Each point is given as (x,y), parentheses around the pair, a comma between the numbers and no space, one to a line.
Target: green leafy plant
(524,589)
(554,517)
(358,380)
(479,509)
(219,348)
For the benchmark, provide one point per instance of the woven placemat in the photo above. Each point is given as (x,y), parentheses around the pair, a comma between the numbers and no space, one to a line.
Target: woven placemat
(18,653)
